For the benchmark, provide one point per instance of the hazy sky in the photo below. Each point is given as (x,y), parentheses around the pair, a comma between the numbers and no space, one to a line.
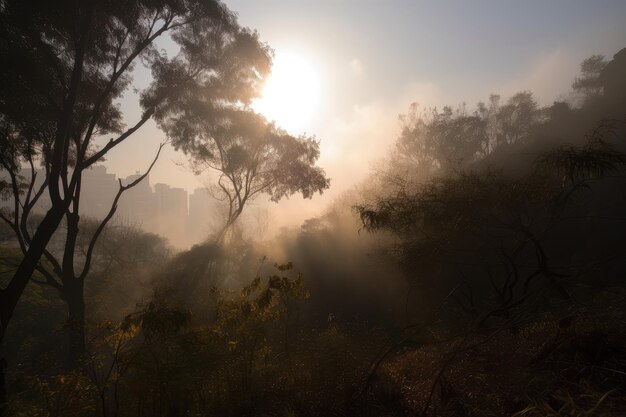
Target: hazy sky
(374,57)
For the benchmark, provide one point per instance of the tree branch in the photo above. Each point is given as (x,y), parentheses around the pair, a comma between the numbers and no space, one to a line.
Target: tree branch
(114,142)
(102,225)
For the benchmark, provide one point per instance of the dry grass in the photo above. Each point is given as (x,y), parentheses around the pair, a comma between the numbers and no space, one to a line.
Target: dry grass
(540,370)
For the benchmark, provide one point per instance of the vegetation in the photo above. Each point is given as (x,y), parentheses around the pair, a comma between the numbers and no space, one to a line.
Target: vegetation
(479,273)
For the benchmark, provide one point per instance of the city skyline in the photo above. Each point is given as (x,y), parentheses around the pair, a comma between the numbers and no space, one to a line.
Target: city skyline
(172,212)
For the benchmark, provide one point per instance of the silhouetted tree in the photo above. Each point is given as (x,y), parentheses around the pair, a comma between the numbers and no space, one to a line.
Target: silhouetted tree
(66,65)
(252,157)
(503,219)
(588,83)
(613,82)
(496,235)
(516,118)
(434,142)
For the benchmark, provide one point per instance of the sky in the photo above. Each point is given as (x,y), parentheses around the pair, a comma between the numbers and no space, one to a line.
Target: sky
(372,58)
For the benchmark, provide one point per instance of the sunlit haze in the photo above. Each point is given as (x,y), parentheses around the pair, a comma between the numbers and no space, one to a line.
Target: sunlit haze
(343,71)
(291,94)
(301,208)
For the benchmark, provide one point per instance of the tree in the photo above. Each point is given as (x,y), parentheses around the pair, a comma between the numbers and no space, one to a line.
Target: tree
(502,221)
(438,142)
(505,238)
(512,224)
(588,84)
(516,118)
(66,65)
(611,79)
(251,157)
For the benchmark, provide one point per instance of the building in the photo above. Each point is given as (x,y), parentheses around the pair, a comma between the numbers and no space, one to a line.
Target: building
(137,205)
(172,213)
(164,210)
(98,191)
(202,211)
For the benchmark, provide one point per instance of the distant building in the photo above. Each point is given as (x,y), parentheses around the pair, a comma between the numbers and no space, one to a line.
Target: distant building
(171,206)
(98,191)
(201,214)
(167,211)
(137,204)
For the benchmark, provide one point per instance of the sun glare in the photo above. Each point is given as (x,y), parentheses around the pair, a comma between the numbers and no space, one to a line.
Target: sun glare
(291,93)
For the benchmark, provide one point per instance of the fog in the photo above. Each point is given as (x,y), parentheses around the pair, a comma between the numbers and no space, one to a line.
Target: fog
(308,209)
(364,89)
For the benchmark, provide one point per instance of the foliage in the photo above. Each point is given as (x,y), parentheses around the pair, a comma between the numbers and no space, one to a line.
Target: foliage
(493,235)
(507,225)
(250,157)
(251,354)
(578,165)
(588,83)
(441,142)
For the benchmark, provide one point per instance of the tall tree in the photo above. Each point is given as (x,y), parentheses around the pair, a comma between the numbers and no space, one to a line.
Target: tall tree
(66,66)
(250,157)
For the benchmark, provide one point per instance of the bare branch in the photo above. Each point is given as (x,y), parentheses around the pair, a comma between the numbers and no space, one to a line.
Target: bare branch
(114,142)
(15,230)
(49,279)
(103,223)
(97,110)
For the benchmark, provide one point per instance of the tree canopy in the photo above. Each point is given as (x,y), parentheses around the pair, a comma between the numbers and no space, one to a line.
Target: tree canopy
(67,66)
(250,157)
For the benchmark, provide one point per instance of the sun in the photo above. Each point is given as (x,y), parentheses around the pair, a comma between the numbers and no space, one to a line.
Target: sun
(291,94)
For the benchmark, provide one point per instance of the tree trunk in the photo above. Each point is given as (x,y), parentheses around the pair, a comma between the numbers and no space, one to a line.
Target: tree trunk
(76,321)
(12,293)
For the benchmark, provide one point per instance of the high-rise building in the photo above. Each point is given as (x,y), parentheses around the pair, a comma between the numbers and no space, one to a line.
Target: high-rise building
(98,191)
(171,205)
(137,204)
(201,214)
(164,211)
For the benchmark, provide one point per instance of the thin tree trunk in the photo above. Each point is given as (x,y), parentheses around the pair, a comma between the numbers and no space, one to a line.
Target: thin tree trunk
(12,293)
(74,298)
